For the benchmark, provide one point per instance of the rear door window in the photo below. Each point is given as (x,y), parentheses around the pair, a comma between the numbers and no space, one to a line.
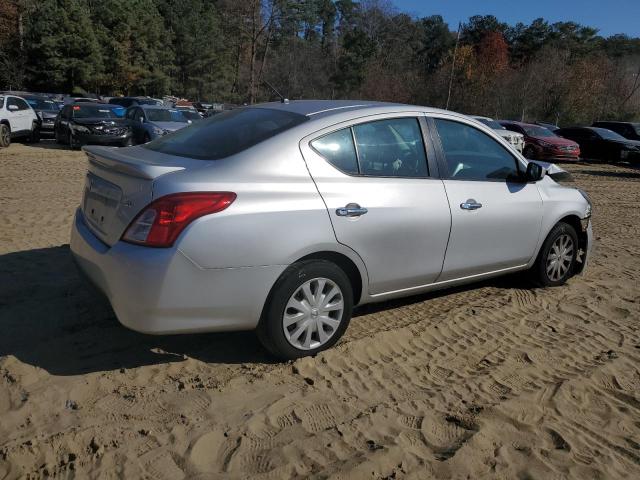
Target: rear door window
(338,149)
(227,133)
(383,148)
(391,148)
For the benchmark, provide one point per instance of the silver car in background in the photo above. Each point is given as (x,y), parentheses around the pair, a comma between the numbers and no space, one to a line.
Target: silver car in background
(282,217)
(514,138)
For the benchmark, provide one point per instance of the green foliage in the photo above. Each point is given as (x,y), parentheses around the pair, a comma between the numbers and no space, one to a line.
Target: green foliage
(224,50)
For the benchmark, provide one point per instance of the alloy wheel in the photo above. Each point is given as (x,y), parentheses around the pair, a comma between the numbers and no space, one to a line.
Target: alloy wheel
(5,136)
(313,314)
(560,258)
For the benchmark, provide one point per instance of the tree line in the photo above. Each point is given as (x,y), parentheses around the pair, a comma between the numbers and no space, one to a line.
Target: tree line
(224,51)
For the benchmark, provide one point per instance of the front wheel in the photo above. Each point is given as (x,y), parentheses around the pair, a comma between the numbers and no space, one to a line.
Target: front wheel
(5,136)
(308,310)
(557,258)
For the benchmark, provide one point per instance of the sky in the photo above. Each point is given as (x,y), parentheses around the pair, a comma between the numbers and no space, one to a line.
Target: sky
(608,16)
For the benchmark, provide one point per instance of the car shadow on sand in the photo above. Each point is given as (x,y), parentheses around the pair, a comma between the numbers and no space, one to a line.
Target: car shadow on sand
(51,318)
(48,144)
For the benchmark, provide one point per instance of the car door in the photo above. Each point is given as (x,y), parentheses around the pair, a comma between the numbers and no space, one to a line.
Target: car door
(18,114)
(495,217)
(379,182)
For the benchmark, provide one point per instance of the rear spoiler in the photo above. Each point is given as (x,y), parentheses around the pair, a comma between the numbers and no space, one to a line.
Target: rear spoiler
(134,161)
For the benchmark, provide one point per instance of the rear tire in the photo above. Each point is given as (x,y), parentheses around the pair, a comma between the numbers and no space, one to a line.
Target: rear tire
(557,258)
(5,136)
(308,310)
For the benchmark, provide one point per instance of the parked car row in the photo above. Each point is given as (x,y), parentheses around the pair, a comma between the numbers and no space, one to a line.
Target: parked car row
(606,141)
(111,124)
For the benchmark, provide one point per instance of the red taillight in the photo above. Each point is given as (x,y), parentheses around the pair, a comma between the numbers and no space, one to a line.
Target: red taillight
(160,223)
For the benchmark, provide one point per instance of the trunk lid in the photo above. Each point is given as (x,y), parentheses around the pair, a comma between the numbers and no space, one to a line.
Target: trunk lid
(119,184)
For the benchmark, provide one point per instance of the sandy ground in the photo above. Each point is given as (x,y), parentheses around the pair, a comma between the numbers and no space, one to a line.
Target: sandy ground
(495,380)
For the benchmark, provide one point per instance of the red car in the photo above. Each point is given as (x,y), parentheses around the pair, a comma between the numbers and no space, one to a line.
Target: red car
(542,144)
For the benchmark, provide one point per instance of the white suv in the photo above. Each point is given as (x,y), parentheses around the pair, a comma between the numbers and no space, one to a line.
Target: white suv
(17,120)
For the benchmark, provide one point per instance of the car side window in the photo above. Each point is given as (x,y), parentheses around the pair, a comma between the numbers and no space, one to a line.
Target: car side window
(473,155)
(383,148)
(391,148)
(22,105)
(12,102)
(338,149)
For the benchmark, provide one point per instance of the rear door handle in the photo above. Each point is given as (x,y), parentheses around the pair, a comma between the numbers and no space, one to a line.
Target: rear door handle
(351,210)
(470,204)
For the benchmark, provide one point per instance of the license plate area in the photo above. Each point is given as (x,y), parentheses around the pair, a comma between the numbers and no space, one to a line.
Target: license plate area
(101,200)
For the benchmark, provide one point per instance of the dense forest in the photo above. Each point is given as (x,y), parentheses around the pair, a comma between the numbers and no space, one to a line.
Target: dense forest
(224,50)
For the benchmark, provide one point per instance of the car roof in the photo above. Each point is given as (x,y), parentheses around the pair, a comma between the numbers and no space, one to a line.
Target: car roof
(323,108)
(522,124)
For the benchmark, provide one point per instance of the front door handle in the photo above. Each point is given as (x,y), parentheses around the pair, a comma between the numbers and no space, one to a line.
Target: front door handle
(351,210)
(470,204)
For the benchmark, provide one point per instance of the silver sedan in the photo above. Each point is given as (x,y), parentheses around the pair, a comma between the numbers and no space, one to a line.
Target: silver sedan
(282,217)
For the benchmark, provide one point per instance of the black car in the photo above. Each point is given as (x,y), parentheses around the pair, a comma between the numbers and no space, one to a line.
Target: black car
(602,144)
(127,102)
(628,130)
(92,123)
(47,111)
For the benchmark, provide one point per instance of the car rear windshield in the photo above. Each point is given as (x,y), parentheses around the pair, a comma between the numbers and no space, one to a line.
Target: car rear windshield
(162,115)
(42,104)
(226,133)
(93,111)
(539,132)
(608,134)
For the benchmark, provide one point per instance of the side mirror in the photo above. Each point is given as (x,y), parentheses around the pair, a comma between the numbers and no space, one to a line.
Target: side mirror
(13,108)
(534,172)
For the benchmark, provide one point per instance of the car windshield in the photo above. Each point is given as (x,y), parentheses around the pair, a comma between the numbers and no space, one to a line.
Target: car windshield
(608,134)
(94,111)
(164,115)
(227,133)
(491,123)
(538,131)
(42,104)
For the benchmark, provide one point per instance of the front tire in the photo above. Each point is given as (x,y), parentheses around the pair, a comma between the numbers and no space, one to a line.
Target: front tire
(5,136)
(557,258)
(308,310)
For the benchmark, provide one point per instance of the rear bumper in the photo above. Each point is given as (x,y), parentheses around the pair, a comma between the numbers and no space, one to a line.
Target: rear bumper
(160,291)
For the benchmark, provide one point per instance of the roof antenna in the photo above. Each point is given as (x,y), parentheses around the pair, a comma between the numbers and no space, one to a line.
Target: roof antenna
(283,99)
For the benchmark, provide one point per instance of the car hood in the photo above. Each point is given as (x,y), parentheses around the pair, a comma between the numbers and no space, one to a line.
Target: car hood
(170,126)
(99,121)
(557,141)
